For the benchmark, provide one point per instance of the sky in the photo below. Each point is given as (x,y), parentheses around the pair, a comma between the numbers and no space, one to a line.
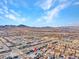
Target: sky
(39,13)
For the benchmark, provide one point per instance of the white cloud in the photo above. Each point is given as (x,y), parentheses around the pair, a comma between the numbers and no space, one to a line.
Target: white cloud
(51,14)
(15,18)
(10,16)
(4,7)
(45,4)
(13,12)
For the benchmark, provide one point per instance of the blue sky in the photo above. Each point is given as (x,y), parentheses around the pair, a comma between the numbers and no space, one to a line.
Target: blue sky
(39,13)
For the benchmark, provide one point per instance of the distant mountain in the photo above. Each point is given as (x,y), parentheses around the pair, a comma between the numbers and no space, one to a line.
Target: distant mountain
(53,29)
(11,26)
(21,25)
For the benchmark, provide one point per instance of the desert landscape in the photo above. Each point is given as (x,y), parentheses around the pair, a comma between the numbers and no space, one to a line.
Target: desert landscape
(24,42)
